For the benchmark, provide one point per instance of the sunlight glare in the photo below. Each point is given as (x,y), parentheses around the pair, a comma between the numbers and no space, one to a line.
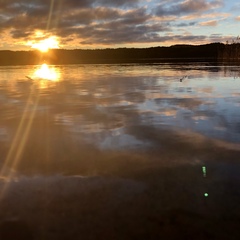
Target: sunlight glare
(47,73)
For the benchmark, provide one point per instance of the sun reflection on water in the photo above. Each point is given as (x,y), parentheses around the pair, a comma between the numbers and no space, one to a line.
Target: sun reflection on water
(46,72)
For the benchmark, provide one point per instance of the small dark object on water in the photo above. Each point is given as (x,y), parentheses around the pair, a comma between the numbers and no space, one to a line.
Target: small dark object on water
(184,77)
(28,77)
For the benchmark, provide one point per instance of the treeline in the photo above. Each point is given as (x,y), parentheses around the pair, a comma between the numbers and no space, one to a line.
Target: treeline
(230,52)
(213,51)
(8,57)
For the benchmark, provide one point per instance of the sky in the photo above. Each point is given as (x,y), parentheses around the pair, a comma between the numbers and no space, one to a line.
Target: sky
(90,24)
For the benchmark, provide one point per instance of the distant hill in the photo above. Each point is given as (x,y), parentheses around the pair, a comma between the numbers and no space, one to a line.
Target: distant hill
(212,51)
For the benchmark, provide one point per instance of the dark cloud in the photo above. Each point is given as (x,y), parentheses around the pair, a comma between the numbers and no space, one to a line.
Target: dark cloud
(28,5)
(115,33)
(137,35)
(110,25)
(186,24)
(20,34)
(186,7)
(190,38)
(96,21)
(117,3)
(217,38)
(114,26)
(35,13)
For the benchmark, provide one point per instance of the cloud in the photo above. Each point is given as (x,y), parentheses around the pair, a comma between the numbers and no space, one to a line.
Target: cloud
(92,22)
(125,33)
(237,18)
(117,3)
(186,7)
(106,22)
(19,34)
(26,16)
(211,23)
(196,16)
(186,24)
(110,26)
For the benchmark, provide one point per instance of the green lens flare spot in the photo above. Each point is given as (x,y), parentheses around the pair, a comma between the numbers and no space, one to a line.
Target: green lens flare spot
(204,171)
(205,194)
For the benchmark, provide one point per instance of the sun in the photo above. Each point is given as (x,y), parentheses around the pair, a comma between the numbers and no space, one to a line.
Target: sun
(45,44)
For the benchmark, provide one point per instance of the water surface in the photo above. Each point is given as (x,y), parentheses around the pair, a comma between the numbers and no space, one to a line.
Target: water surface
(115,107)
(142,135)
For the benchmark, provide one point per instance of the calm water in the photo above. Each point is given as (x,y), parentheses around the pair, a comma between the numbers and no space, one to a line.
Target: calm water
(170,128)
(102,104)
(57,115)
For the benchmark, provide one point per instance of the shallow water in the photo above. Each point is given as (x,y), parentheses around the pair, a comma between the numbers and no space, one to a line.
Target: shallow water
(139,131)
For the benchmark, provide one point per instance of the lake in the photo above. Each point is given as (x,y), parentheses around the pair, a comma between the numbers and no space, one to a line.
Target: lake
(133,151)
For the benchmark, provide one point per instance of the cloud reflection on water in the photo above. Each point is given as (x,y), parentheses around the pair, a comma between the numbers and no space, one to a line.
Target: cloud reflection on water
(101,105)
(163,98)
